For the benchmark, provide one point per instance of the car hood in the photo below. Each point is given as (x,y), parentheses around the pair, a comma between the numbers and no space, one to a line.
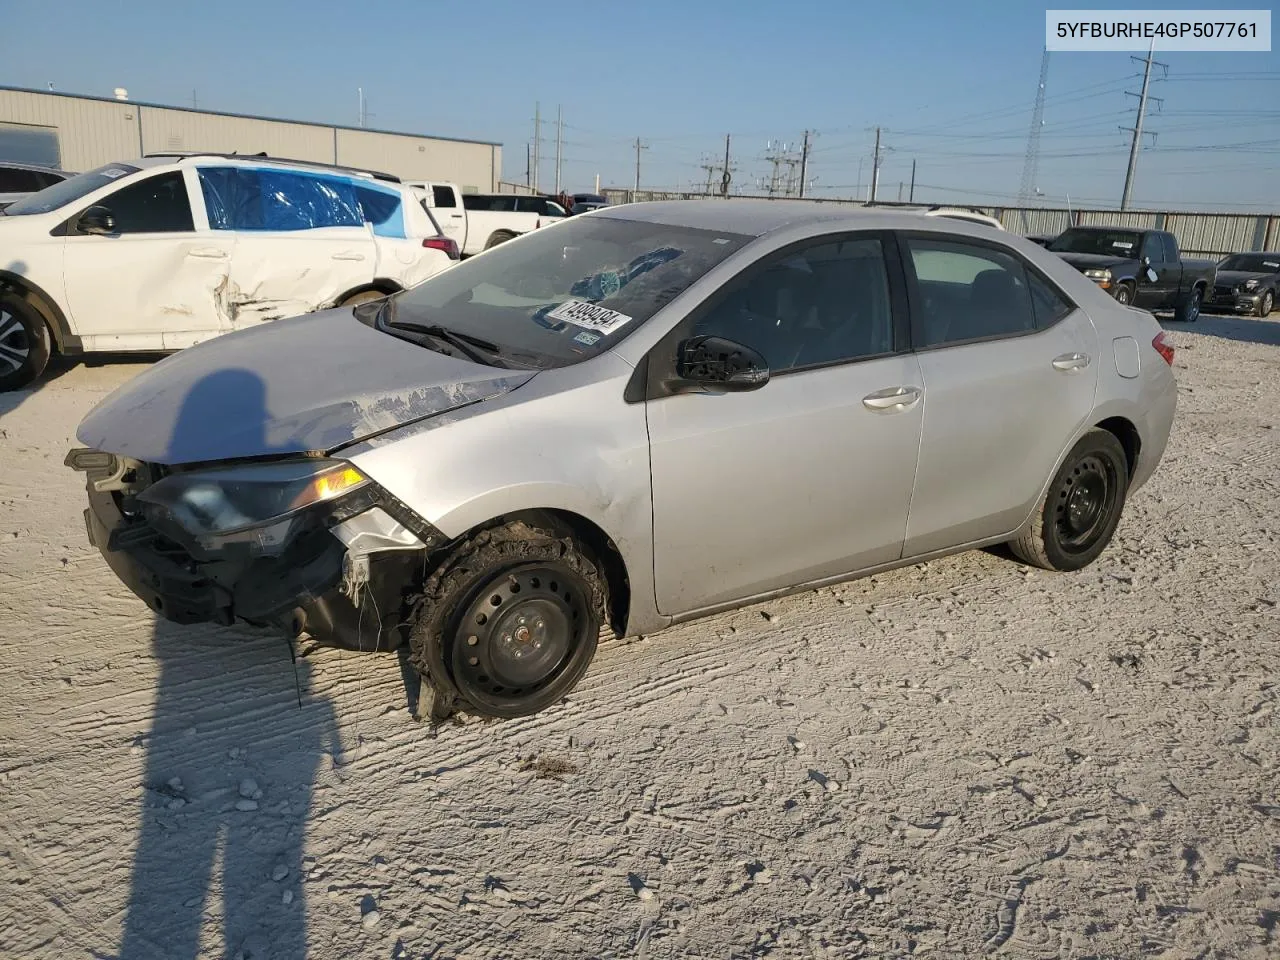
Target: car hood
(307,384)
(1233,277)
(1092,261)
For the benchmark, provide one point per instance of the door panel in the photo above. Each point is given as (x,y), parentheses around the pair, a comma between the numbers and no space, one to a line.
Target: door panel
(793,482)
(154,284)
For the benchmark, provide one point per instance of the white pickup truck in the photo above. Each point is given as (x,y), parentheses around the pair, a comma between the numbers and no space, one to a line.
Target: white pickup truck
(478,221)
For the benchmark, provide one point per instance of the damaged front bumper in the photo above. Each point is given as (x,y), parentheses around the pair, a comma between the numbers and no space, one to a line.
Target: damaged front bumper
(338,571)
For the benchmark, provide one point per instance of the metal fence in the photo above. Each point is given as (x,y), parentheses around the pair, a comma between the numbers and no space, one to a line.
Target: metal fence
(1210,235)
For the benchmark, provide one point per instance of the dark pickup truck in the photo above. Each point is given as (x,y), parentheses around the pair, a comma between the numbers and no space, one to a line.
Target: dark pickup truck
(1139,267)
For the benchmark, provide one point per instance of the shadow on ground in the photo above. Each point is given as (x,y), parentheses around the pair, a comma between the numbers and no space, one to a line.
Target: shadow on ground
(1245,329)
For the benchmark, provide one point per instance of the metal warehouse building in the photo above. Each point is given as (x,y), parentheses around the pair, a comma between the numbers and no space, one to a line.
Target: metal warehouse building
(80,133)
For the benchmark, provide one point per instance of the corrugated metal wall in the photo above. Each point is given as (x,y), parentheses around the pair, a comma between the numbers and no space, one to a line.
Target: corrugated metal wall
(92,132)
(1208,235)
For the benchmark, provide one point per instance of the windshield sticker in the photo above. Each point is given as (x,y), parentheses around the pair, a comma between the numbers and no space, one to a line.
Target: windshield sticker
(1122,244)
(583,314)
(719,240)
(588,338)
(1271,264)
(113,172)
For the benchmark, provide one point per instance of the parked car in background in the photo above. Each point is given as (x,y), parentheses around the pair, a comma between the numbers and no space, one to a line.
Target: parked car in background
(1247,283)
(19,180)
(481,221)
(964,213)
(163,252)
(586,206)
(635,418)
(1139,267)
(1042,239)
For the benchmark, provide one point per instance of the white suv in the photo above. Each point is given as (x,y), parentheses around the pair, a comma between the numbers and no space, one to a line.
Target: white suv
(164,252)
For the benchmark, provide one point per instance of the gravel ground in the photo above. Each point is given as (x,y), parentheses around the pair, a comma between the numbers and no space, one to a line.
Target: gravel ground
(957,758)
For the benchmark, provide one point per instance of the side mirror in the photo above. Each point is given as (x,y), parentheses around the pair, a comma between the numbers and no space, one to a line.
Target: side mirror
(97,220)
(717,365)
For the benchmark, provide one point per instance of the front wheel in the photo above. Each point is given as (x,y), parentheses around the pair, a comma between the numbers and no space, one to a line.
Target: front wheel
(510,620)
(1266,303)
(1082,507)
(1188,309)
(25,344)
(1124,294)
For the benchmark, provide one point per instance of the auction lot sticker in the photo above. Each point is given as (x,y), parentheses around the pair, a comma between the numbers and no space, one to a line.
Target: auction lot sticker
(1233,31)
(582,314)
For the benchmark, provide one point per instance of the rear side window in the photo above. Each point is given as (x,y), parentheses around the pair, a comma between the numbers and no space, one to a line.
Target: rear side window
(967,292)
(443,196)
(154,205)
(1049,304)
(536,205)
(240,198)
(382,209)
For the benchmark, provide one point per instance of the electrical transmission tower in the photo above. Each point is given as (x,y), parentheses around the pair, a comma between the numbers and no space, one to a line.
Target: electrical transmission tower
(787,169)
(1136,129)
(1031,164)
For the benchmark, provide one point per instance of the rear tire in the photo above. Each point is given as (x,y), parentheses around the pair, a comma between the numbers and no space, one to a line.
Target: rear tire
(509,621)
(1188,308)
(25,343)
(1266,303)
(364,296)
(1082,507)
(502,236)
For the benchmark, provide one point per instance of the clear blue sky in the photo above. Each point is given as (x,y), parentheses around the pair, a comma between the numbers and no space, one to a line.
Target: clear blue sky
(951,82)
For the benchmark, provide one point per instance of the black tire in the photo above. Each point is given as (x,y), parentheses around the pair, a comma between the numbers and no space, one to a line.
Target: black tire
(25,343)
(364,296)
(524,652)
(1124,293)
(1081,508)
(1265,304)
(1188,308)
(501,236)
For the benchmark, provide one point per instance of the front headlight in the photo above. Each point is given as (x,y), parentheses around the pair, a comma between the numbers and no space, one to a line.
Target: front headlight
(1250,284)
(1103,274)
(258,500)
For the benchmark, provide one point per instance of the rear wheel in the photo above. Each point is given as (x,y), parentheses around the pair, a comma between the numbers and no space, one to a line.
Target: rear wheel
(1082,507)
(1188,309)
(502,236)
(509,621)
(1266,303)
(25,343)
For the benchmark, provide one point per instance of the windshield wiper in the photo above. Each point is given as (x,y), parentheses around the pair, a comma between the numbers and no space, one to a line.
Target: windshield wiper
(464,343)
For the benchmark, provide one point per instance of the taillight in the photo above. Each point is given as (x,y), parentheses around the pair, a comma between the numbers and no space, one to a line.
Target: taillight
(1163,347)
(446,244)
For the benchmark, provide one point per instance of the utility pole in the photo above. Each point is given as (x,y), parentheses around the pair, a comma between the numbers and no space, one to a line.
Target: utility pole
(195,103)
(804,163)
(858,188)
(1137,127)
(360,117)
(875,168)
(559,133)
(900,185)
(537,142)
(725,175)
(639,146)
(911,196)
(528,165)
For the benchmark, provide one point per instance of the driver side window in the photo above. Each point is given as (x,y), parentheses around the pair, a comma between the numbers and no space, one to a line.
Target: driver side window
(820,304)
(154,205)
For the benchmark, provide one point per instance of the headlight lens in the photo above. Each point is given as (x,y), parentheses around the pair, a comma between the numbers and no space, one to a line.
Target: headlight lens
(1102,274)
(1250,284)
(225,500)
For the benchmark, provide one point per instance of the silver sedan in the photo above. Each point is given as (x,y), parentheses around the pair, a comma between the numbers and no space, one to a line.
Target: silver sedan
(639,416)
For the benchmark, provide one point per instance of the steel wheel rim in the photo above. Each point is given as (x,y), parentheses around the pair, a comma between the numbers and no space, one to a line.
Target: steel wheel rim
(15,345)
(523,643)
(1084,503)
(1122,295)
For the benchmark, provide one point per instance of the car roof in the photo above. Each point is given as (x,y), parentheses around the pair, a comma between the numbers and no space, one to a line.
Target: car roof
(757,217)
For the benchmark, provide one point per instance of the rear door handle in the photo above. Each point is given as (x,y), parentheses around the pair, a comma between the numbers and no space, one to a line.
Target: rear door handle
(892,399)
(455,216)
(209,253)
(1070,362)
(348,256)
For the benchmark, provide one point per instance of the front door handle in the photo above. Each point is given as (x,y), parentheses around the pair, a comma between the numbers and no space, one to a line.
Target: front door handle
(1070,362)
(209,253)
(892,399)
(348,256)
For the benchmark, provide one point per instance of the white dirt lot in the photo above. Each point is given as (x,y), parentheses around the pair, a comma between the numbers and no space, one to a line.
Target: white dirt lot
(959,758)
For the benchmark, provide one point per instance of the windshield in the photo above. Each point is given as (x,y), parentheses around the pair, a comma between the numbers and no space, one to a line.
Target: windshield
(1107,243)
(69,191)
(565,293)
(1252,263)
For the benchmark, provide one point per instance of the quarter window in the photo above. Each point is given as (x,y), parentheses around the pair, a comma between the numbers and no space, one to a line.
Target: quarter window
(968,292)
(820,304)
(154,205)
(1050,306)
